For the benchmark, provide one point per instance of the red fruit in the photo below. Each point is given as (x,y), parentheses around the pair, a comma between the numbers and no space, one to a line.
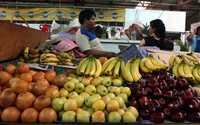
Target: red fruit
(177,117)
(23,68)
(10,68)
(144,101)
(157,117)
(4,77)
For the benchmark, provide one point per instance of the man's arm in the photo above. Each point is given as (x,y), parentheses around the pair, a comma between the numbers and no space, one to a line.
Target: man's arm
(99,53)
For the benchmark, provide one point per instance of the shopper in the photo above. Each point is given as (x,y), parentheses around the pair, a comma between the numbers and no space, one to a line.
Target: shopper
(86,38)
(156,36)
(196,41)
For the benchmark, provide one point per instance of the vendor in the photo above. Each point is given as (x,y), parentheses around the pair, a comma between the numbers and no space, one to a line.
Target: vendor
(86,38)
(196,41)
(156,36)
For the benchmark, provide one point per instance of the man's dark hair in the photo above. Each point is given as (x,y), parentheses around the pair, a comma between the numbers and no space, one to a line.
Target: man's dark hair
(198,29)
(159,27)
(86,14)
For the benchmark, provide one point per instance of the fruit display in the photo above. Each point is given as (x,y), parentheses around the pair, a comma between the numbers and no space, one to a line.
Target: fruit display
(34,96)
(159,96)
(47,57)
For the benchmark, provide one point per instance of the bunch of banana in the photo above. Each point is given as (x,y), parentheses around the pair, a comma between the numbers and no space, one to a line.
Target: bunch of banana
(89,66)
(130,71)
(49,58)
(150,64)
(183,70)
(65,58)
(190,58)
(112,67)
(31,55)
(196,73)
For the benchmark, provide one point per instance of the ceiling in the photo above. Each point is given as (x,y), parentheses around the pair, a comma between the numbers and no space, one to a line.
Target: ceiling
(152,4)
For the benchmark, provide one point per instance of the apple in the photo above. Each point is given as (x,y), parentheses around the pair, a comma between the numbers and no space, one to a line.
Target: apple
(69,86)
(120,101)
(98,117)
(70,105)
(96,81)
(106,99)
(90,89)
(74,80)
(57,104)
(126,90)
(111,95)
(83,116)
(79,100)
(63,92)
(112,105)
(86,80)
(99,105)
(121,112)
(102,90)
(69,116)
(79,87)
(90,110)
(115,90)
(84,95)
(128,117)
(124,97)
(91,99)
(106,81)
(114,117)
(72,94)
(117,82)
(64,99)
(133,110)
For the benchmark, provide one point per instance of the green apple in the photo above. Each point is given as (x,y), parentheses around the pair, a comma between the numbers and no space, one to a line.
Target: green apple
(69,86)
(79,100)
(57,104)
(83,116)
(74,80)
(90,110)
(111,95)
(91,99)
(120,101)
(99,105)
(90,89)
(114,117)
(106,99)
(69,116)
(133,110)
(121,112)
(124,97)
(63,92)
(64,99)
(96,81)
(106,81)
(72,94)
(98,117)
(84,94)
(117,82)
(128,117)
(79,87)
(126,90)
(70,105)
(102,90)
(115,90)
(112,105)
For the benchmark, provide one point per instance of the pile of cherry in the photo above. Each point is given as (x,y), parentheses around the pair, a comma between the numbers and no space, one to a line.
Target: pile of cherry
(159,96)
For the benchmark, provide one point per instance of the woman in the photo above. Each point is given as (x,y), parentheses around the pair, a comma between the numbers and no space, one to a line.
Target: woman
(157,36)
(196,41)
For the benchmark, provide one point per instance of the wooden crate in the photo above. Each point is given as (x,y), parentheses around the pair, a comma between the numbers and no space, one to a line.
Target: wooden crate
(14,38)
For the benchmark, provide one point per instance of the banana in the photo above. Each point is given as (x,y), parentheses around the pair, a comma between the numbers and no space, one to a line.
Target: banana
(188,70)
(195,73)
(109,68)
(125,71)
(93,67)
(26,53)
(177,59)
(134,69)
(51,59)
(88,67)
(105,65)
(78,68)
(143,67)
(117,69)
(98,68)
(180,70)
(174,70)
(187,61)
(51,63)
(171,60)
(148,64)
(158,64)
(84,66)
